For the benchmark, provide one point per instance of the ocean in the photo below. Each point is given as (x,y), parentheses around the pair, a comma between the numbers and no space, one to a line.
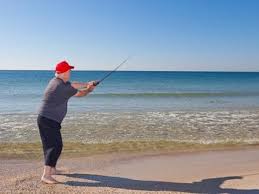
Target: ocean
(194,107)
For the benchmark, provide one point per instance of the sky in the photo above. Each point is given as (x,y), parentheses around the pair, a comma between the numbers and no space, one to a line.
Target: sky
(164,35)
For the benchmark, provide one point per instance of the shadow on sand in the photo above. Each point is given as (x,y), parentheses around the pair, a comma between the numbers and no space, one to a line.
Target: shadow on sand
(211,186)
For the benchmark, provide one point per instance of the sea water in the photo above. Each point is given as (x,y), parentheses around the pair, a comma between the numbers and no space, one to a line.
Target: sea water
(198,107)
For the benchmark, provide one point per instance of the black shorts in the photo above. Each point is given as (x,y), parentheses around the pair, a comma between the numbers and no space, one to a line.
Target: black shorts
(51,139)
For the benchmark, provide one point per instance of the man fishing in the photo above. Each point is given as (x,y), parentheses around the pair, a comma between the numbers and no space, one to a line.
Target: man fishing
(52,112)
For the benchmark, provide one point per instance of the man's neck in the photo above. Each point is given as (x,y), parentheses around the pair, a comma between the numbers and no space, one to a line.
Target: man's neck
(62,79)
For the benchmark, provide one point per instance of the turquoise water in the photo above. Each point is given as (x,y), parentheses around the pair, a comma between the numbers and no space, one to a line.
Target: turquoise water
(196,107)
(21,91)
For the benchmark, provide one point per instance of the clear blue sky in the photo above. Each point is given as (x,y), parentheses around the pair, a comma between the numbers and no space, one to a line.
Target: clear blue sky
(160,34)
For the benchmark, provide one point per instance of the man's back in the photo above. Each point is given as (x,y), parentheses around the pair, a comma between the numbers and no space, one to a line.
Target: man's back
(56,96)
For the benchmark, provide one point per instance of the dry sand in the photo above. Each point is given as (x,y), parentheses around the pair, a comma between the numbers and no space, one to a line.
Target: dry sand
(232,171)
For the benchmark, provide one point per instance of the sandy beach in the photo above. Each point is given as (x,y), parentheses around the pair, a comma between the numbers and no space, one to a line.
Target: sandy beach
(129,97)
(230,171)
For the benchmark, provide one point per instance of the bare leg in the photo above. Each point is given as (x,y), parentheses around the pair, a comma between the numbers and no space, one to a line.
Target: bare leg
(46,177)
(55,171)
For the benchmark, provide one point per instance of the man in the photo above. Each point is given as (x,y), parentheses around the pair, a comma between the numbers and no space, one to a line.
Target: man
(52,112)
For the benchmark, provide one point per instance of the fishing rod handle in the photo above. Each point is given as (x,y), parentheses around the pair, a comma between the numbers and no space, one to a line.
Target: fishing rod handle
(96,83)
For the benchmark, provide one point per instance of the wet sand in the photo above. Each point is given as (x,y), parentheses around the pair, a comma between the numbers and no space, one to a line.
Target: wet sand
(230,171)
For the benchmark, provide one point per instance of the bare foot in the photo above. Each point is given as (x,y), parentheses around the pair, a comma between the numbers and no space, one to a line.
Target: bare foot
(48,179)
(54,171)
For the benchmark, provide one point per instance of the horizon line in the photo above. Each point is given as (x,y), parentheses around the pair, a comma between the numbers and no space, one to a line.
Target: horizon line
(205,71)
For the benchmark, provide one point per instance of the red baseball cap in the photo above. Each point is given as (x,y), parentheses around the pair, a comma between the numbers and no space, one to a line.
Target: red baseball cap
(63,66)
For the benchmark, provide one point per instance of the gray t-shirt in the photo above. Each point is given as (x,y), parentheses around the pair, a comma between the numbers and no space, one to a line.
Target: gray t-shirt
(56,96)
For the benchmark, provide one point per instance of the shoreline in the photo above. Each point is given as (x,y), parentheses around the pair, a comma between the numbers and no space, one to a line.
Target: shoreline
(33,151)
(219,171)
(198,127)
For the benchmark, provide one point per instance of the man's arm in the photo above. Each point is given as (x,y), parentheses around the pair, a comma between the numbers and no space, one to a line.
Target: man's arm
(84,91)
(81,93)
(78,85)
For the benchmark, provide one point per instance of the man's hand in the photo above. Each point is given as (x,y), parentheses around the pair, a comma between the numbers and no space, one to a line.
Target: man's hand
(87,88)
(90,86)
(83,86)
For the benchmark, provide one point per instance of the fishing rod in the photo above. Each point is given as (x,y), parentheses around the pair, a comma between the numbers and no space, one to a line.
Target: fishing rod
(108,74)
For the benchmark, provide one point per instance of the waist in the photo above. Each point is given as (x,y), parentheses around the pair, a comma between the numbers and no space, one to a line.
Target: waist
(48,119)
